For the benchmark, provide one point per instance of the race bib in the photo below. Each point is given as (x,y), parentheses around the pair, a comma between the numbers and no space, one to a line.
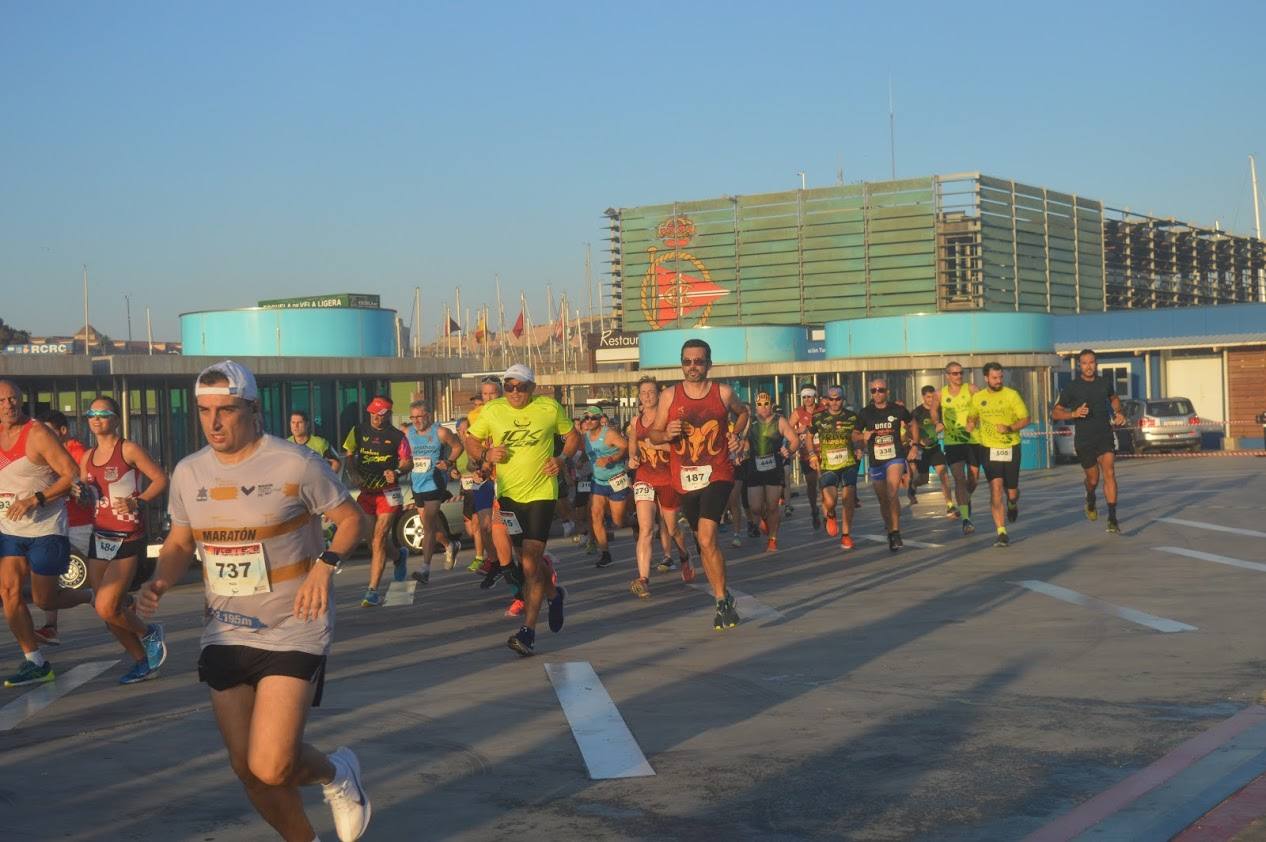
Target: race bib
(999,454)
(885,451)
(619,482)
(469,483)
(643,491)
(583,486)
(511,522)
(394,496)
(696,478)
(236,569)
(107,548)
(837,457)
(422,464)
(6,500)
(766,463)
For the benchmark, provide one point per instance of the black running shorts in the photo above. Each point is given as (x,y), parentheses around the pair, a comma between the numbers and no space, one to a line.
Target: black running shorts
(708,503)
(1008,472)
(224,667)
(1089,451)
(533,519)
(955,453)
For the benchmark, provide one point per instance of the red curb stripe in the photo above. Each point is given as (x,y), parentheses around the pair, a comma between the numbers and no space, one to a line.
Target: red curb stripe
(1145,780)
(1230,817)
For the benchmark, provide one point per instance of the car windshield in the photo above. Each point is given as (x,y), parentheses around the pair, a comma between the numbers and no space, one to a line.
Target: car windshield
(1171,407)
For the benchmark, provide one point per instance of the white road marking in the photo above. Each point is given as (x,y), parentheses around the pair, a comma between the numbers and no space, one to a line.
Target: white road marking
(400,593)
(1160,624)
(34,701)
(748,606)
(1252,533)
(883,539)
(605,742)
(1220,559)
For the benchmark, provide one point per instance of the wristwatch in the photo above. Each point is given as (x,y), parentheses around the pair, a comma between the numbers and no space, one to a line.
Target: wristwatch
(332,559)
(39,498)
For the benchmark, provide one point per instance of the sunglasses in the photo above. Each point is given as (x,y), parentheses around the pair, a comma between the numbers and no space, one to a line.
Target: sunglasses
(416,417)
(694,361)
(517,387)
(878,391)
(762,403)
(835,397)
(957,373)
(100,413)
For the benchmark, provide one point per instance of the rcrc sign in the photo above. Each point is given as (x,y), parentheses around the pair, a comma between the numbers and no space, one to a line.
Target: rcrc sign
(41,348)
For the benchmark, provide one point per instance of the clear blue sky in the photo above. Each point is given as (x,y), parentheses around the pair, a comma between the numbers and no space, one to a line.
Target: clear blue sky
(206,155)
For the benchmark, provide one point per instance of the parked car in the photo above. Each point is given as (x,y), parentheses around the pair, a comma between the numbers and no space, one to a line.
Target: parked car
(1162,424)
(1065,449)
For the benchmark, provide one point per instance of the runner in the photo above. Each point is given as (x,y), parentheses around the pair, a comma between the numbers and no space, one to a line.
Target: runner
(653,493)
(378,452)
(269,619)
(301,433)
(1092,405)
(881,423)
(606,450)
(580,478)
(961,453)
(693,417)
(480,492)
(522,427)
(835,445)
(999,413)
(78,516)
(111,473)
(36,474)
(928,416)
(802,421)
(771,441)
(429,469)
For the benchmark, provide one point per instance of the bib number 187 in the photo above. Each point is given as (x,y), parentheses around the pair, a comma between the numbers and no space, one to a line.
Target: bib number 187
(696,478)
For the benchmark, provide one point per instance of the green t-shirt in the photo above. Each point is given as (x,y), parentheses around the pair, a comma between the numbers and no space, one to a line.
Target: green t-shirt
(835,439)
(528,434)
(955,410)
(1004,406)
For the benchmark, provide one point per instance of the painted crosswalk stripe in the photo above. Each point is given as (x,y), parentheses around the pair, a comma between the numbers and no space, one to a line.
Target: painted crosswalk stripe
(34,701)
(605,741)
(1214,557)
(1252,533)
(883,539)
(748,606)
(1160,624)
(400,593)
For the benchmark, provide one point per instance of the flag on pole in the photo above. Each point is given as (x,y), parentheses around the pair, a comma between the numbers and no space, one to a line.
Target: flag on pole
(481,330)
(517,330)
(559,325)
(453,326)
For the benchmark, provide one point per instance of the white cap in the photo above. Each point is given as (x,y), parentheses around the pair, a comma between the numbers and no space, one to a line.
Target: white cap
(808,392)
(519,372)
(241,381)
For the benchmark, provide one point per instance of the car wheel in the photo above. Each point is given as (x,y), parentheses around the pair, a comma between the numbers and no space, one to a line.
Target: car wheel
(76,575)
(409,531)
(1195,446)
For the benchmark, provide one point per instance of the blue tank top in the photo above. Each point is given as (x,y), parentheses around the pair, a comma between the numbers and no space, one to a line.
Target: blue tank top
(426,449)
(595,450)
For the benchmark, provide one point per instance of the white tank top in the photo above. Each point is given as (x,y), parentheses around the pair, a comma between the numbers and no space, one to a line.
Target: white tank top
(21,478)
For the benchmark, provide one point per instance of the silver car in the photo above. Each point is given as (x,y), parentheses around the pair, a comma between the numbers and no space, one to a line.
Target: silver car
(1162,424)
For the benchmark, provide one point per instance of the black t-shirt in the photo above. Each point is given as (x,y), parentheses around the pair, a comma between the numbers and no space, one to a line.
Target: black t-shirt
(377,452)
(1097,396)
(885,444)
(927,427)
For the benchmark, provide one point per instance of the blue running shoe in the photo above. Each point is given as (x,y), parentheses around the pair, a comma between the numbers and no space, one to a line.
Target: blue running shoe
(28,673)
(155,643)
(140,671)
(556,611)
(523,642)
(402,565)
(372,599)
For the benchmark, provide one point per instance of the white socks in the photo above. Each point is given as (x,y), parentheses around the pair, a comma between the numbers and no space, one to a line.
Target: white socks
(36,657)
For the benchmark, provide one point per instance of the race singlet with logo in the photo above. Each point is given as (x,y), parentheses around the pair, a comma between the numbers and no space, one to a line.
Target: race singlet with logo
(700,455)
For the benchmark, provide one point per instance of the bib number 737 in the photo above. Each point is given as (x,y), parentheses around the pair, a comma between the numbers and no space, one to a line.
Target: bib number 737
(236,569)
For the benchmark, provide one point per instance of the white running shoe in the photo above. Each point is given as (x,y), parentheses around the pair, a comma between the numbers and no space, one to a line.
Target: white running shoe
(450,553)
(568,529)
(346,796)
(736,541)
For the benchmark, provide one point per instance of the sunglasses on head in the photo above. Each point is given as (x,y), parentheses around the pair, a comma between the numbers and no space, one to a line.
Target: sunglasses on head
(691,361)
(517,387)
(877,390)
(100,413)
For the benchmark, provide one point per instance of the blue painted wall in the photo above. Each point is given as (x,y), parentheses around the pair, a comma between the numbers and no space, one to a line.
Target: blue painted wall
(940,333)
(325,332)
(1143,325)
(730,345)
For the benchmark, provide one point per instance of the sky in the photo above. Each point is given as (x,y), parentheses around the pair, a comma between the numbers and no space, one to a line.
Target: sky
(205,156)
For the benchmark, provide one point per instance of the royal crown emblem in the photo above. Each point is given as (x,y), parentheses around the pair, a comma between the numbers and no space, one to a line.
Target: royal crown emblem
(677,284)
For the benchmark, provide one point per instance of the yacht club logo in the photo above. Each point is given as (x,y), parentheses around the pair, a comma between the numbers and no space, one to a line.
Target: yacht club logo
(677,284)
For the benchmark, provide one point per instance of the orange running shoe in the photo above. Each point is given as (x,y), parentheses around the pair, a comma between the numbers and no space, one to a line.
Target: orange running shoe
(846,542)
(687,572)
(832,526)
(515,609)
(772,546)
